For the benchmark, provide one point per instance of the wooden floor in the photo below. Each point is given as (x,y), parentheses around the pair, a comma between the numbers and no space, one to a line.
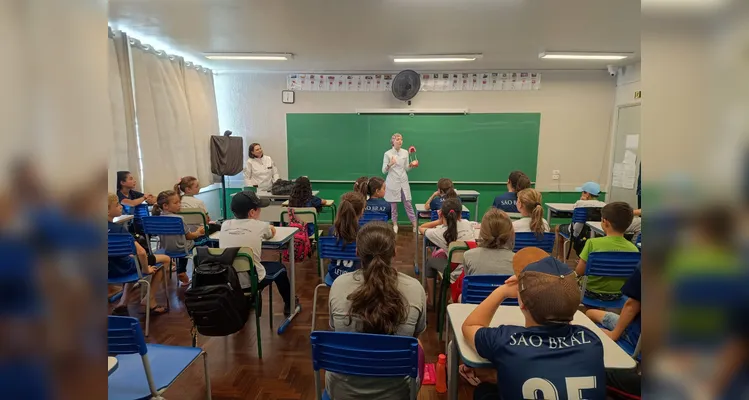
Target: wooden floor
(285,371)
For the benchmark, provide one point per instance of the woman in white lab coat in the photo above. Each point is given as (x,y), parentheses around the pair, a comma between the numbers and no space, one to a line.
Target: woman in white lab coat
(260,170)
(395,164)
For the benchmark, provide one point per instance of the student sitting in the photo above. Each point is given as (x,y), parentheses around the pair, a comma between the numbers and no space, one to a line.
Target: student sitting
(126,192)
(375,299)
(615,218)
(625,326)
(345,229)
(445,190)
(301,196)
(120,266)
(548,355)
(359,182)
(188,187)
(248,231)
(588,199)
(447,229)
(529,206)
(516,182)
(493,256)
(168,204)
(374,191)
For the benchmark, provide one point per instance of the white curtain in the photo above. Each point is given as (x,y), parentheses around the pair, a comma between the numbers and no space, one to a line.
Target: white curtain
(165,130)
(123,154)
(201,98)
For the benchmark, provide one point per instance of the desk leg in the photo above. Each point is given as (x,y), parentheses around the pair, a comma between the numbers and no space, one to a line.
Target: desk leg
(476,216)
(416,252)
(452,370)
(424,264)
(292,280)
(548,215)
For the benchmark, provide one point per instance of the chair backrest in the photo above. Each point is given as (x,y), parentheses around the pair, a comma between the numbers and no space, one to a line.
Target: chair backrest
(372,216)
(243,262)
(584,214)
(140,211)
(615,264)
(456,250)
(307,215)
(464,215)
(194,216)
(476,288)
(363,354)
(638,240)
(124,336)
(120,244)
(529,239)
(331,248)
(163,225)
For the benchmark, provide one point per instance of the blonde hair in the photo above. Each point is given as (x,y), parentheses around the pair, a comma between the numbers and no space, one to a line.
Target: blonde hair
(530,201)
(112,199)
(496,230)
(392,138)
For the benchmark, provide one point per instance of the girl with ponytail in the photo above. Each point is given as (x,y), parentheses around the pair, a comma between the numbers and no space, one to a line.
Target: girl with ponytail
(449,228)
(529,206)
(374,191)
(376,299)
(345,228)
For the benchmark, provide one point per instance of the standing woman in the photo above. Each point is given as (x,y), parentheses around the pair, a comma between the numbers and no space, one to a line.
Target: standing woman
(260,170)
(395,164)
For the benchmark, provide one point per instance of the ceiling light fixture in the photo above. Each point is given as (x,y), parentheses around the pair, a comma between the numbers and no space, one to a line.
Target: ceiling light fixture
(575,55)
(249,56)
(436,58)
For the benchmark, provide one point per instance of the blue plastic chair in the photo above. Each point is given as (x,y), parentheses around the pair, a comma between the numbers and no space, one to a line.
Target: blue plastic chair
(372,216)
(138,212)
(331,248)
(529,239)
(638,241)
(613,264)
(162,364)
(476,288)
(123,245)
(363,354)
(463,214)
(579,215)
(165,225)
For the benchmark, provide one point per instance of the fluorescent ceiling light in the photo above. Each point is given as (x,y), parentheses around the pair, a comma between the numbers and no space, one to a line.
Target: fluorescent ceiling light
(249,56)
(571,55)
(436,58)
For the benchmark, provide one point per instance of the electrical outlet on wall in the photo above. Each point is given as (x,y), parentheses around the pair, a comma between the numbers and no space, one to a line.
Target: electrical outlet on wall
(555,175)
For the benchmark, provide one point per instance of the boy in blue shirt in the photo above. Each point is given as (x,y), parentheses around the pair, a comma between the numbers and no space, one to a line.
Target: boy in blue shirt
(549,357)
(516,182)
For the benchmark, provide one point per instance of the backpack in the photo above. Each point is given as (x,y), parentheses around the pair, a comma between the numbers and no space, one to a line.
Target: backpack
(578,242)
(215,301)
(282,187)
(302,245)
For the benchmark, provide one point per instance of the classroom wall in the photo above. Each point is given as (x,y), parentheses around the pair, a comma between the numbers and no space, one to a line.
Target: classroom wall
(575,109)
(627,83)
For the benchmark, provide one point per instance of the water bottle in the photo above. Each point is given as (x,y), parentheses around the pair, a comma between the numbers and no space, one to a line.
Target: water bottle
(441,374)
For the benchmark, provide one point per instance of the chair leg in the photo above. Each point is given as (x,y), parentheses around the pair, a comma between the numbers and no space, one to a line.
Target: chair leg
(207,378)
(314,305)
(564,249)
(166,288)
(270,306)
(257,325)
(148,304)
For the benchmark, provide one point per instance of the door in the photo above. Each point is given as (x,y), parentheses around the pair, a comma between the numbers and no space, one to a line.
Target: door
(627,125)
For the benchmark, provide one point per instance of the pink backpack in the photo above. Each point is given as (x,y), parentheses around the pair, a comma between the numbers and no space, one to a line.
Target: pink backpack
(302,246)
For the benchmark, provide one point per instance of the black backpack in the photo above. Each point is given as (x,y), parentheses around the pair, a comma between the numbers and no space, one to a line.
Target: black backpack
(578,242)
(215,301)
(282,187)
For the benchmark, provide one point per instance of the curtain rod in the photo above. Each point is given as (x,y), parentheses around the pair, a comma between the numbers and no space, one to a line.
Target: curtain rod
(161,53)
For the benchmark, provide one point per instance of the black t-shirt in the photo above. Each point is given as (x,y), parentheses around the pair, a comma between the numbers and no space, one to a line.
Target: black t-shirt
(132,195)
(545,362)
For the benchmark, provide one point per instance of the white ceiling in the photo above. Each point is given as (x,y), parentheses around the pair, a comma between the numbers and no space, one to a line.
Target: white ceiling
(360,35)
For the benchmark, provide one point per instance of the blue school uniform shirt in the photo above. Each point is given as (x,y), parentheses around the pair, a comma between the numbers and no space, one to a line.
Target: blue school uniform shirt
(436,203)
(378,205)
(119,266)
(337,268)
(317,203)
(544,362)
(506,202)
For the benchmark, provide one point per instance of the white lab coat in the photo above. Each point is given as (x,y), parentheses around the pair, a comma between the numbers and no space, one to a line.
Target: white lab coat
(397,177)
(261,172)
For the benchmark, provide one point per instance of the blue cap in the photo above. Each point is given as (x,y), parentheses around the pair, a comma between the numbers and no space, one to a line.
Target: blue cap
(590,187)
(550,266)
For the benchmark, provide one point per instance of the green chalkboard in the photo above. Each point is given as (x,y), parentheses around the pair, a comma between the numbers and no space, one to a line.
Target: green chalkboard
(467,148)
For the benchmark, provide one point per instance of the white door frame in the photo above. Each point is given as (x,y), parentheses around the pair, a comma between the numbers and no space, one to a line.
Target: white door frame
(612,142)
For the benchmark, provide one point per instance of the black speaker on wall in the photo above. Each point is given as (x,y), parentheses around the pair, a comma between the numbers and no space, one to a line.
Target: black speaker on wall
(226,160)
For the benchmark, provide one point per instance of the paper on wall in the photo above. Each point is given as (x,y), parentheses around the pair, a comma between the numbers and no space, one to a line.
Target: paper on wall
(455,85)
(387,80)
(633,142)
(629,157)
(525,81)
(536,81)
(630,174)
(617,177)
(444,82)
(426,83)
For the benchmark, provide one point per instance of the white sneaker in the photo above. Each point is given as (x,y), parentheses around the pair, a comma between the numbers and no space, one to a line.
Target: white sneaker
(395,228)
(414,230)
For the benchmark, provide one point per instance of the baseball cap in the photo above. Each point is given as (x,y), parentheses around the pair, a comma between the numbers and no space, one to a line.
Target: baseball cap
(548,290)
(246,200)
(526,256)
(590,187)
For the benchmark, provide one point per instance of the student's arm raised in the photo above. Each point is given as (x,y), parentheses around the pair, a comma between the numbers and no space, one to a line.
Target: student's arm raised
(481,317)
